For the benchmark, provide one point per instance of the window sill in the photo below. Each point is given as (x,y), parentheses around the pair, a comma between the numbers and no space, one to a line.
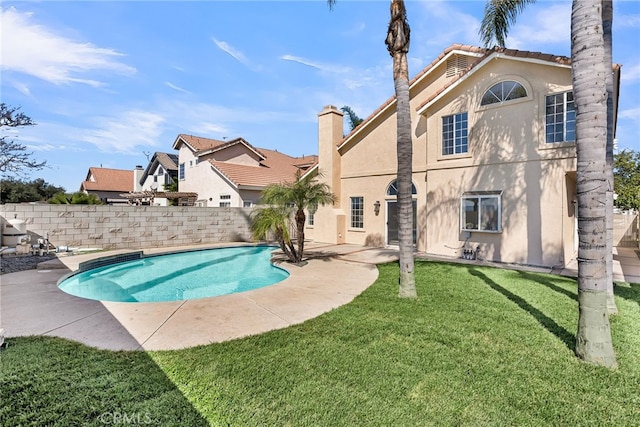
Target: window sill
(556,145)
(454,156)
(356,230)
(481,231)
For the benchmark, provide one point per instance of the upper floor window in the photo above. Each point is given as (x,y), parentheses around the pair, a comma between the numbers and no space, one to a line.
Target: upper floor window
(455,134)
(225,197)
(503,91)
(357,212)
(560,118)
(181,171)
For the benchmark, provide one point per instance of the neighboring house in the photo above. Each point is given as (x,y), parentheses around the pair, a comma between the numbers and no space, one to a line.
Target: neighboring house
(494,161)
(108,184)
(232,173)
(161,171)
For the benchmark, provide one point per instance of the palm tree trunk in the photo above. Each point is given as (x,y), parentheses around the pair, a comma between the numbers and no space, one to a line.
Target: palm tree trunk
(607,22)
(398,46)
(593,338)
(300,219)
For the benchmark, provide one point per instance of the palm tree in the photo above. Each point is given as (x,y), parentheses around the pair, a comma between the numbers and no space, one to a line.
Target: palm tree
(593,339)
(397,41)
(589,69)
(303,193)
(499,15)
(607,24)
(273,221)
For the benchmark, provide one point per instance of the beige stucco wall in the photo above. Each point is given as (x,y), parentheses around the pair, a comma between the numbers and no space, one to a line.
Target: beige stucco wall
(121,227)
(507,154)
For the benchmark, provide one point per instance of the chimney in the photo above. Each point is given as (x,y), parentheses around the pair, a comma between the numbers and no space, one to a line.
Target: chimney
(137,176)
(330,128)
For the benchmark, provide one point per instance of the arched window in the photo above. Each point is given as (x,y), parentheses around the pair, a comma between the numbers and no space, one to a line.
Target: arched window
(503,91)
(392,190)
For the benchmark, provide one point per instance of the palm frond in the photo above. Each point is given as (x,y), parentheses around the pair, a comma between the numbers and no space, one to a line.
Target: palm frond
(499,16)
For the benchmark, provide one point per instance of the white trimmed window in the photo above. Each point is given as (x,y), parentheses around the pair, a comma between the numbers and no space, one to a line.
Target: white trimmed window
(481,212)
(357,212)
(502,92)
(560,118)
(181,171)
(455,134)
(225,204)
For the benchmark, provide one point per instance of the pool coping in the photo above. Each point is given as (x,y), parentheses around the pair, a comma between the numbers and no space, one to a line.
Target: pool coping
(32,304)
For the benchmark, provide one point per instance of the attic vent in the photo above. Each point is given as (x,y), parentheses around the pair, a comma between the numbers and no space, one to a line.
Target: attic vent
(456,64)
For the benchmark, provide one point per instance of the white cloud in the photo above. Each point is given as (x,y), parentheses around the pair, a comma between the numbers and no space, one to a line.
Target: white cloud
(548,26)
(124,132)
(329,68)
(626,21)
(630,73)
(447,23)
(174,87)
(40,52)
(630,113)
(234,53)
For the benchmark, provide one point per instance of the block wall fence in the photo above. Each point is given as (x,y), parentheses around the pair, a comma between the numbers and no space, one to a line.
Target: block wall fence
(130,227)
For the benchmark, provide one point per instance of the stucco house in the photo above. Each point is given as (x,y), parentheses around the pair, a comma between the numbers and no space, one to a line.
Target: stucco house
(232,173)
(494,161)
(108,184)
(161,171)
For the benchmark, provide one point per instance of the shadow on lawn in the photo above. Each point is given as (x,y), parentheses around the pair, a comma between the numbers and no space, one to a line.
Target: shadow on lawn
(549,284)
(565,336)
(628,291)
(53,381)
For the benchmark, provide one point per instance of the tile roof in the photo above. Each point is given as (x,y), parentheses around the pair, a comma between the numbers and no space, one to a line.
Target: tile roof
(481,53)
(105,179)
(198,143)
(274,169)
(168,161)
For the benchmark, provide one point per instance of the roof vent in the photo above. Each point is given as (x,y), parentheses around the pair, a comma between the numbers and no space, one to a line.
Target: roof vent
(456,64)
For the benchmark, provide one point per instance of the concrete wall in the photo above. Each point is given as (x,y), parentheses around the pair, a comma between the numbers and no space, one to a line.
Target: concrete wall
(130,227)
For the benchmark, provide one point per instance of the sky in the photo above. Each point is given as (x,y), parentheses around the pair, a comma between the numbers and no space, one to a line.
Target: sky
(109,83)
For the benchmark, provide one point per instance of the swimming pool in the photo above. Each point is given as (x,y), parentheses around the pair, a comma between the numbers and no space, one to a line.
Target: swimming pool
(178,276)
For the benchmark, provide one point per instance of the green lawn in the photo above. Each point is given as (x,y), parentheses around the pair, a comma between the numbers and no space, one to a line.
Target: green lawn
(480,346)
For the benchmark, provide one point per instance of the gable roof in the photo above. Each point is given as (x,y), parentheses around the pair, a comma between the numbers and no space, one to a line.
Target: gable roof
(273,167)
(276,168)
(105,179)
(168,161)
(483,55)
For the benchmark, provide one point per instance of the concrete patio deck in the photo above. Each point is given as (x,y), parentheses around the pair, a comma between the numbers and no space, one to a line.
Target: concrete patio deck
(32,304)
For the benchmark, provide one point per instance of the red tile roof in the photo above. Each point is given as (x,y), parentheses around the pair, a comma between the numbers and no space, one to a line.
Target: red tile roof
(274,169)
(105,179)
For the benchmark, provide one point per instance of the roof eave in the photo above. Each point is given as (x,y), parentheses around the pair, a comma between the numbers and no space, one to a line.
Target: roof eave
(495,55)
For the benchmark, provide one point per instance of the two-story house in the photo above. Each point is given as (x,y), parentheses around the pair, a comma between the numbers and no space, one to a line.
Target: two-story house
(232,173)
(157,177)
(494,161)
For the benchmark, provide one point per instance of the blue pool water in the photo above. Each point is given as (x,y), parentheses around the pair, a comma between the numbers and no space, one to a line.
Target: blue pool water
(178,276)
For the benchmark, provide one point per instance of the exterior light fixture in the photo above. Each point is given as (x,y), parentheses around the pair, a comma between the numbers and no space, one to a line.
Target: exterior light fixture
(376,207)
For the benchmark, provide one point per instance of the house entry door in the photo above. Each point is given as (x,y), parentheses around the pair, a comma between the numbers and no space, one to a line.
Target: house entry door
(392,222)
